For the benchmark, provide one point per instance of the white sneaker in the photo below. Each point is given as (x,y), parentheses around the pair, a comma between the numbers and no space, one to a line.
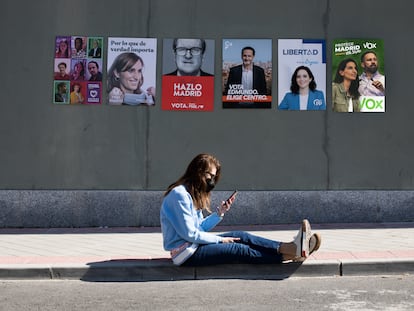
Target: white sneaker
(314,244)
(302,239)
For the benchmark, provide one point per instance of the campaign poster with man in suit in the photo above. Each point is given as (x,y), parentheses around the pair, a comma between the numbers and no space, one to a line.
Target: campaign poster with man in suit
(188,74)
(247,73)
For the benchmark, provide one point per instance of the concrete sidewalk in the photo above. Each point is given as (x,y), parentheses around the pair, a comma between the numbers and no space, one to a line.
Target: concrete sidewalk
(136,254)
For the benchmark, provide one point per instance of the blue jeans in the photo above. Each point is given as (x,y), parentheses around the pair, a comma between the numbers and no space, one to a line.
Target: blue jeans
(250,249)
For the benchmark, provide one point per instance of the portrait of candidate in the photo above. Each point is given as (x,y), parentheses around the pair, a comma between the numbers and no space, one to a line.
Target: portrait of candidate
(94,73)
(371,82)
(78,47)
(78,70)
(76,96)
(125,81)
(61,92)
(303,94)
(252,77)
(62,47)
(95,50)
(188,57)
(61,71)
(345,94)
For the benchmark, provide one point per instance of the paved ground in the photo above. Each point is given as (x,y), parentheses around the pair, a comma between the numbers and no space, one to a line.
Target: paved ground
(137,253)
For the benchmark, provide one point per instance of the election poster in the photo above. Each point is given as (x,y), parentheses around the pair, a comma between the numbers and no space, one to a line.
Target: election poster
(131,71)
(188,74)
(247,73)
(78,70)
(301,74)
(358,76)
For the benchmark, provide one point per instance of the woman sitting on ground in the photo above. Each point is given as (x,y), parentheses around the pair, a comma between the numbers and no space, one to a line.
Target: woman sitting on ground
(186,232)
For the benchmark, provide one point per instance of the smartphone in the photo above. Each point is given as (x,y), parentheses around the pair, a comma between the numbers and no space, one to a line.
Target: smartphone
(232,195)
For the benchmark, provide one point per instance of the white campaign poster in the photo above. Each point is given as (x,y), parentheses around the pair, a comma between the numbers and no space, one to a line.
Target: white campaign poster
(306,55)
(131,71)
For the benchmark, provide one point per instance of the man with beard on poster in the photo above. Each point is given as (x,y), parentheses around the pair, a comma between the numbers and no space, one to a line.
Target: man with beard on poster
(93,68)
(61,93)
(371,82)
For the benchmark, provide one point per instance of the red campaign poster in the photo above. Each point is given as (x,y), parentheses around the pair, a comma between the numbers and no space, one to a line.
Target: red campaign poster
(187,93)
(188,75)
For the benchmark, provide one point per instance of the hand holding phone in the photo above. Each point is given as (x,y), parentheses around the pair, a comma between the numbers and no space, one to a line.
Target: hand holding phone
(232,196)
(225,206)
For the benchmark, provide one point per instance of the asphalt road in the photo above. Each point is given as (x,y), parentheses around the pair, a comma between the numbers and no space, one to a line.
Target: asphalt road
(333,293)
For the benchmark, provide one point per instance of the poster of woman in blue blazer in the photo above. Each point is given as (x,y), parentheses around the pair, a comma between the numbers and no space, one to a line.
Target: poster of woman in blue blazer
(302,74)
(303,95)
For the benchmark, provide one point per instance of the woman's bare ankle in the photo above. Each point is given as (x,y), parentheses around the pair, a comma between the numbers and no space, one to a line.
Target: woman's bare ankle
(288,250)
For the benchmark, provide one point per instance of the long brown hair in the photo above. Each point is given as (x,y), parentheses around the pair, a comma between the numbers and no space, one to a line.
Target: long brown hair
(195,181)
(353,88)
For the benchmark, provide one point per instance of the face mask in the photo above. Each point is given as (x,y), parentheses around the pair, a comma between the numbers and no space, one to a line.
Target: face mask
(210,184)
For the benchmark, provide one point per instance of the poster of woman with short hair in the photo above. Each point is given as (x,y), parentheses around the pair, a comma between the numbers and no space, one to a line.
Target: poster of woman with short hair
(301,74)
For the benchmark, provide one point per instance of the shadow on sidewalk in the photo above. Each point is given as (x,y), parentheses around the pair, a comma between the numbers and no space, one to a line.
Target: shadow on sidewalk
(162,269)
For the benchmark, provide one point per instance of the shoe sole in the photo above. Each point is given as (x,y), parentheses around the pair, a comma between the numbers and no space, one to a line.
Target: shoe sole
(318,242)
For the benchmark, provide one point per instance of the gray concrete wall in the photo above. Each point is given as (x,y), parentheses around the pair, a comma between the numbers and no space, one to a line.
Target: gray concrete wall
(50,147)
(46,146)
(85,208)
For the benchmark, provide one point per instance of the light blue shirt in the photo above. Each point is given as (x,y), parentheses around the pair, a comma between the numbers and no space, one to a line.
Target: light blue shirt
(181,222)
